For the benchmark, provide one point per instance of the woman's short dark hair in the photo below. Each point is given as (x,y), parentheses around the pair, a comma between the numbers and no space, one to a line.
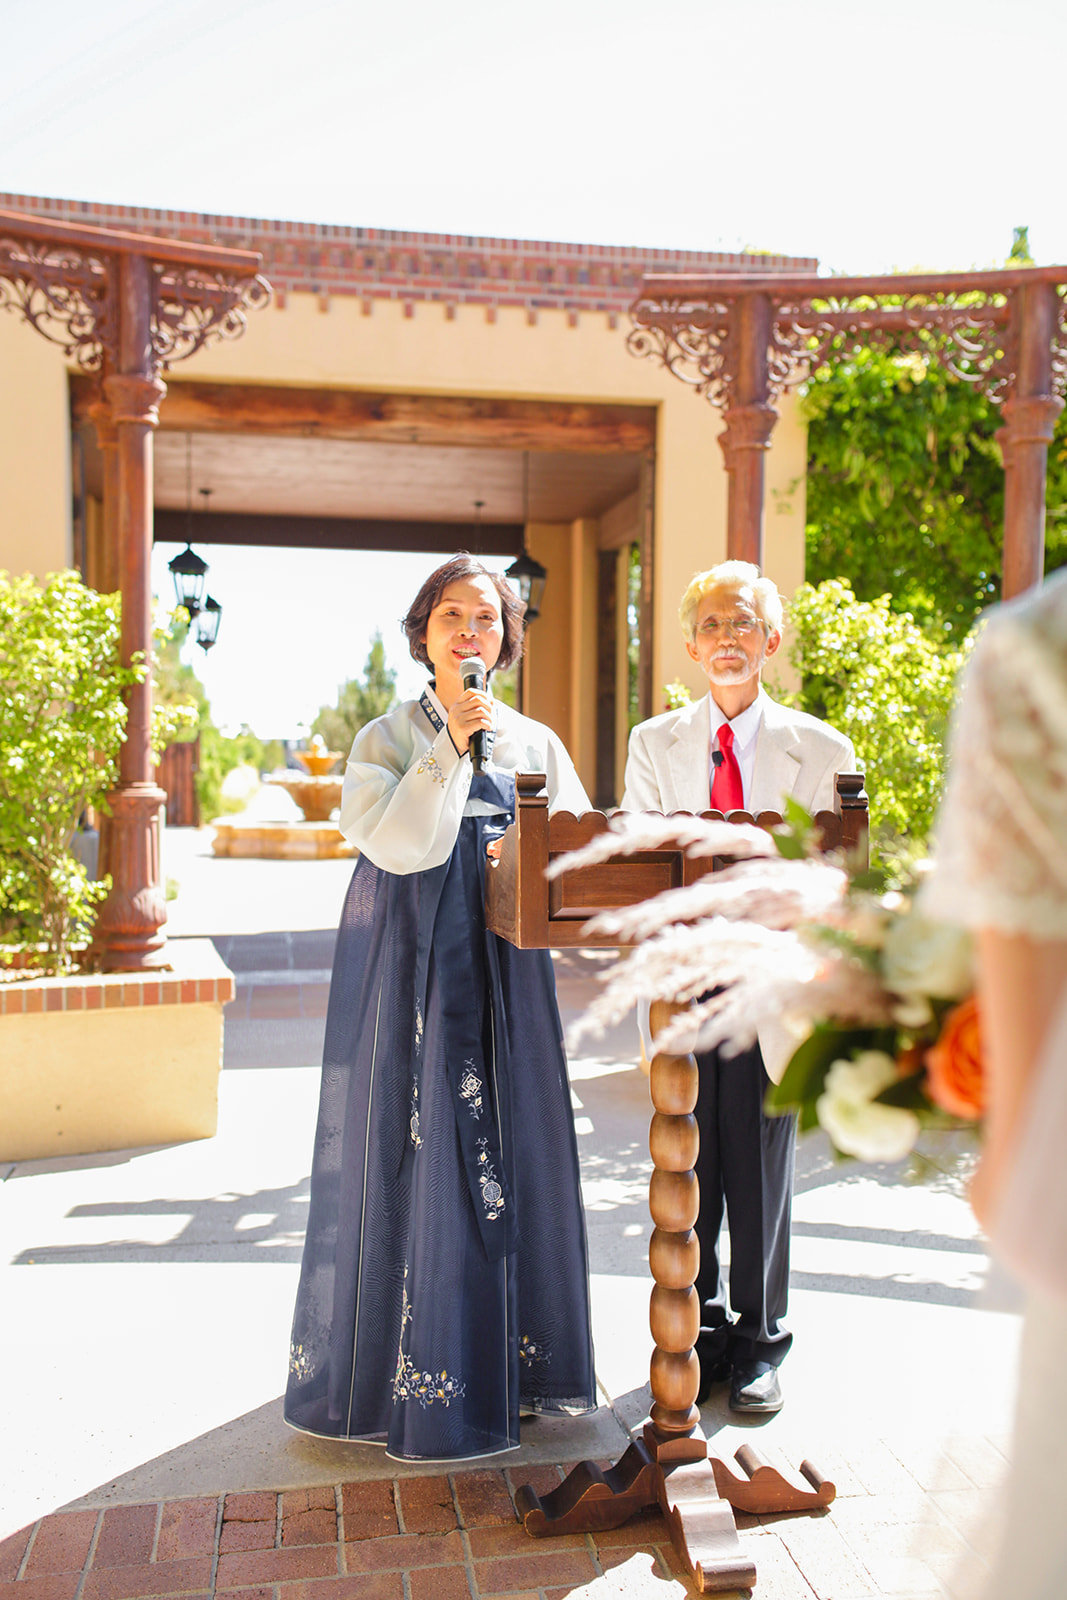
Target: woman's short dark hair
(463,565)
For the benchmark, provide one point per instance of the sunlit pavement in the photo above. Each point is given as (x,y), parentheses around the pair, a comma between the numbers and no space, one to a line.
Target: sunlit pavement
(147,1301)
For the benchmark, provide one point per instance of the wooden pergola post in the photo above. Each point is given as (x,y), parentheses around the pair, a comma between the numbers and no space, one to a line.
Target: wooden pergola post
(742,340)
(746,437)
(127,306)
(129,928)
(1030,415)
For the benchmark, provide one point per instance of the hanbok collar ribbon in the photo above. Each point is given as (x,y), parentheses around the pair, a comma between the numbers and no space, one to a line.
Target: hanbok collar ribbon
(432,714)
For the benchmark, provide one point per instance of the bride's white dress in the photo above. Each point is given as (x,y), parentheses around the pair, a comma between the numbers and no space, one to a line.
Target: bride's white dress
(1001,862)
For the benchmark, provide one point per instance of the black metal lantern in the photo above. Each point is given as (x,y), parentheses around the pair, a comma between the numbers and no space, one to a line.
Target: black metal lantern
(207,623)
(529,577)
(190,575)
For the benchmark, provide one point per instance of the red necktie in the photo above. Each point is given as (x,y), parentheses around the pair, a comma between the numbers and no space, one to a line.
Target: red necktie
(726,791)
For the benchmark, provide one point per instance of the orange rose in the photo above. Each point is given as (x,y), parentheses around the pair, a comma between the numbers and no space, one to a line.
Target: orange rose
(955,1068)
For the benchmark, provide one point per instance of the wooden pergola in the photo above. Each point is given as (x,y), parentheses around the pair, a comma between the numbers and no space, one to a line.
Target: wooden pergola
(125,307)
(741,341)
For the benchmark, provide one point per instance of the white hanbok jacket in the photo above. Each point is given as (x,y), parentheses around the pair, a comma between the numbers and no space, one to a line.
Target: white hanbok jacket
(406,788)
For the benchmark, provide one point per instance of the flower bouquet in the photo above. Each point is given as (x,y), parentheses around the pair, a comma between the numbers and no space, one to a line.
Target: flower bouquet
(863,1006)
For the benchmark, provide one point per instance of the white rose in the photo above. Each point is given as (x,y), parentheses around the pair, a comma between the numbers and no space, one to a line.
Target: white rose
(928,958)
(911,1011)
(855,1121)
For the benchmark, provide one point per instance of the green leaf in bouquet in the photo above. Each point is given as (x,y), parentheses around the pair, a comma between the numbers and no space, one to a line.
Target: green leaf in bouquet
(847,943)
(803,1078)
(873,880)
(908,1092)
(793,840)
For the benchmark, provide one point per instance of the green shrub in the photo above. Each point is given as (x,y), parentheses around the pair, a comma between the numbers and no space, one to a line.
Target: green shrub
(220,754)
(61,724)
(62,721)
(876,676)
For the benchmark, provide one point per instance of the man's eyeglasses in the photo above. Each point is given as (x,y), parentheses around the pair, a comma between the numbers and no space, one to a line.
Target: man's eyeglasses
(733,627)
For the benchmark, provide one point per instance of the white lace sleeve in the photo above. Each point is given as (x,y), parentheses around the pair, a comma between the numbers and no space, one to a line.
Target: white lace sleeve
(1001,838)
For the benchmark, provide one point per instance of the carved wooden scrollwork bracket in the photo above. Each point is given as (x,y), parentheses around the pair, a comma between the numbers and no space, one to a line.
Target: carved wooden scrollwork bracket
(65,294)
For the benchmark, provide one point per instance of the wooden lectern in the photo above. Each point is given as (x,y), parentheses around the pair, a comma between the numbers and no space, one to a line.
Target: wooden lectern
(671,1464)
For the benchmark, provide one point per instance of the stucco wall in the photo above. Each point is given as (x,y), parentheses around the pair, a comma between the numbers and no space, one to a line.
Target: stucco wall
(111,1079)
(35,492)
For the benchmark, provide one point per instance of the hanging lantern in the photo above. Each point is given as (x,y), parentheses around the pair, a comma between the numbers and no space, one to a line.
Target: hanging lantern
(207,623)
(529,577)
(190,575)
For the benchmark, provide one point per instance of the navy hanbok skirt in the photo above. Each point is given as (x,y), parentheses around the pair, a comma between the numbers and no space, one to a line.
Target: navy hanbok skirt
(444,1282)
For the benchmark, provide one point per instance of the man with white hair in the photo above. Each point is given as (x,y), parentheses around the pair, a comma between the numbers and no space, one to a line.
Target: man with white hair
(737,749)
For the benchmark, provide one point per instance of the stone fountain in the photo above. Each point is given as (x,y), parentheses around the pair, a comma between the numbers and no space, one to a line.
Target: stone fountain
(316,792)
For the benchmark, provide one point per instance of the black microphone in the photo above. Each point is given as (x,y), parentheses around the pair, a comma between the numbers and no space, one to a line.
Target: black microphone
(472,673)
(717,758)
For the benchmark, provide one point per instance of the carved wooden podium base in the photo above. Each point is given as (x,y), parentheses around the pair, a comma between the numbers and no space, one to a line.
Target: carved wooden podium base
(671,1465)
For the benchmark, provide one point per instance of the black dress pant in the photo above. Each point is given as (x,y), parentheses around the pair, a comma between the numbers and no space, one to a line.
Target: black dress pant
(745,1170)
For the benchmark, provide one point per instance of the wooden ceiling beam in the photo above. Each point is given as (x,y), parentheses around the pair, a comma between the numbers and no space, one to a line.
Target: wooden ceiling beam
(337,533)
(543,425)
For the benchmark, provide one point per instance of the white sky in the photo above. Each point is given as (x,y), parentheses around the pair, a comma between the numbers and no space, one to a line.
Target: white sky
(871,136)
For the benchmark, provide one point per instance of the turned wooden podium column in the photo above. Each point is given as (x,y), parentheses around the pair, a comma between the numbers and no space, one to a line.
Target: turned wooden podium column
(671,1463)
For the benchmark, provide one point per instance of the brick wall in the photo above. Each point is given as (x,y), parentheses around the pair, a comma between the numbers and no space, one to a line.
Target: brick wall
(377,263)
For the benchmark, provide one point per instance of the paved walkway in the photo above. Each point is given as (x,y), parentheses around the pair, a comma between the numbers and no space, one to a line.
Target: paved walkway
(148,1295)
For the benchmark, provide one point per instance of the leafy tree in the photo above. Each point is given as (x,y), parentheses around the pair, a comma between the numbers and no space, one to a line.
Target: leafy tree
(881,679)
(905,490)
(175,682)
(1019,254)
(220,753)
(359,701)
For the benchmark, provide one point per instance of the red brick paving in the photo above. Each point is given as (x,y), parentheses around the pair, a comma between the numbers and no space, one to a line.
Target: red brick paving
(369,1510)
(11,1553)
(483,1498)
(405,1552)
(187,1528)
(62,1544)
(426,1505)
(449,1537)
(127,1536)
(54,1587)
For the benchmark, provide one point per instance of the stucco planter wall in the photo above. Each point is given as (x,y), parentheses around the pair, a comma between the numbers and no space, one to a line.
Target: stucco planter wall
(106,1063)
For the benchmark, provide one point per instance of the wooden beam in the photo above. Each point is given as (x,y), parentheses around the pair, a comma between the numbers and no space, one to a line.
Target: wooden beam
(113,241)
(337,533)
(714,285)
(549,425)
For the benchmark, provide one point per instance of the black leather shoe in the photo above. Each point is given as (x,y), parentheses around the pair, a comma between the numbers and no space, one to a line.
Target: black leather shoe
(713,1370)
(755,1388)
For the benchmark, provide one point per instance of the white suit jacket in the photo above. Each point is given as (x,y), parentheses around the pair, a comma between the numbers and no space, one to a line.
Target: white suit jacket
(796,755)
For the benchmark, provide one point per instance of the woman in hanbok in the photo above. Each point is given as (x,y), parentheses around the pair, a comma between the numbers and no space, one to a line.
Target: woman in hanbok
(444,1284)
(1001,868)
